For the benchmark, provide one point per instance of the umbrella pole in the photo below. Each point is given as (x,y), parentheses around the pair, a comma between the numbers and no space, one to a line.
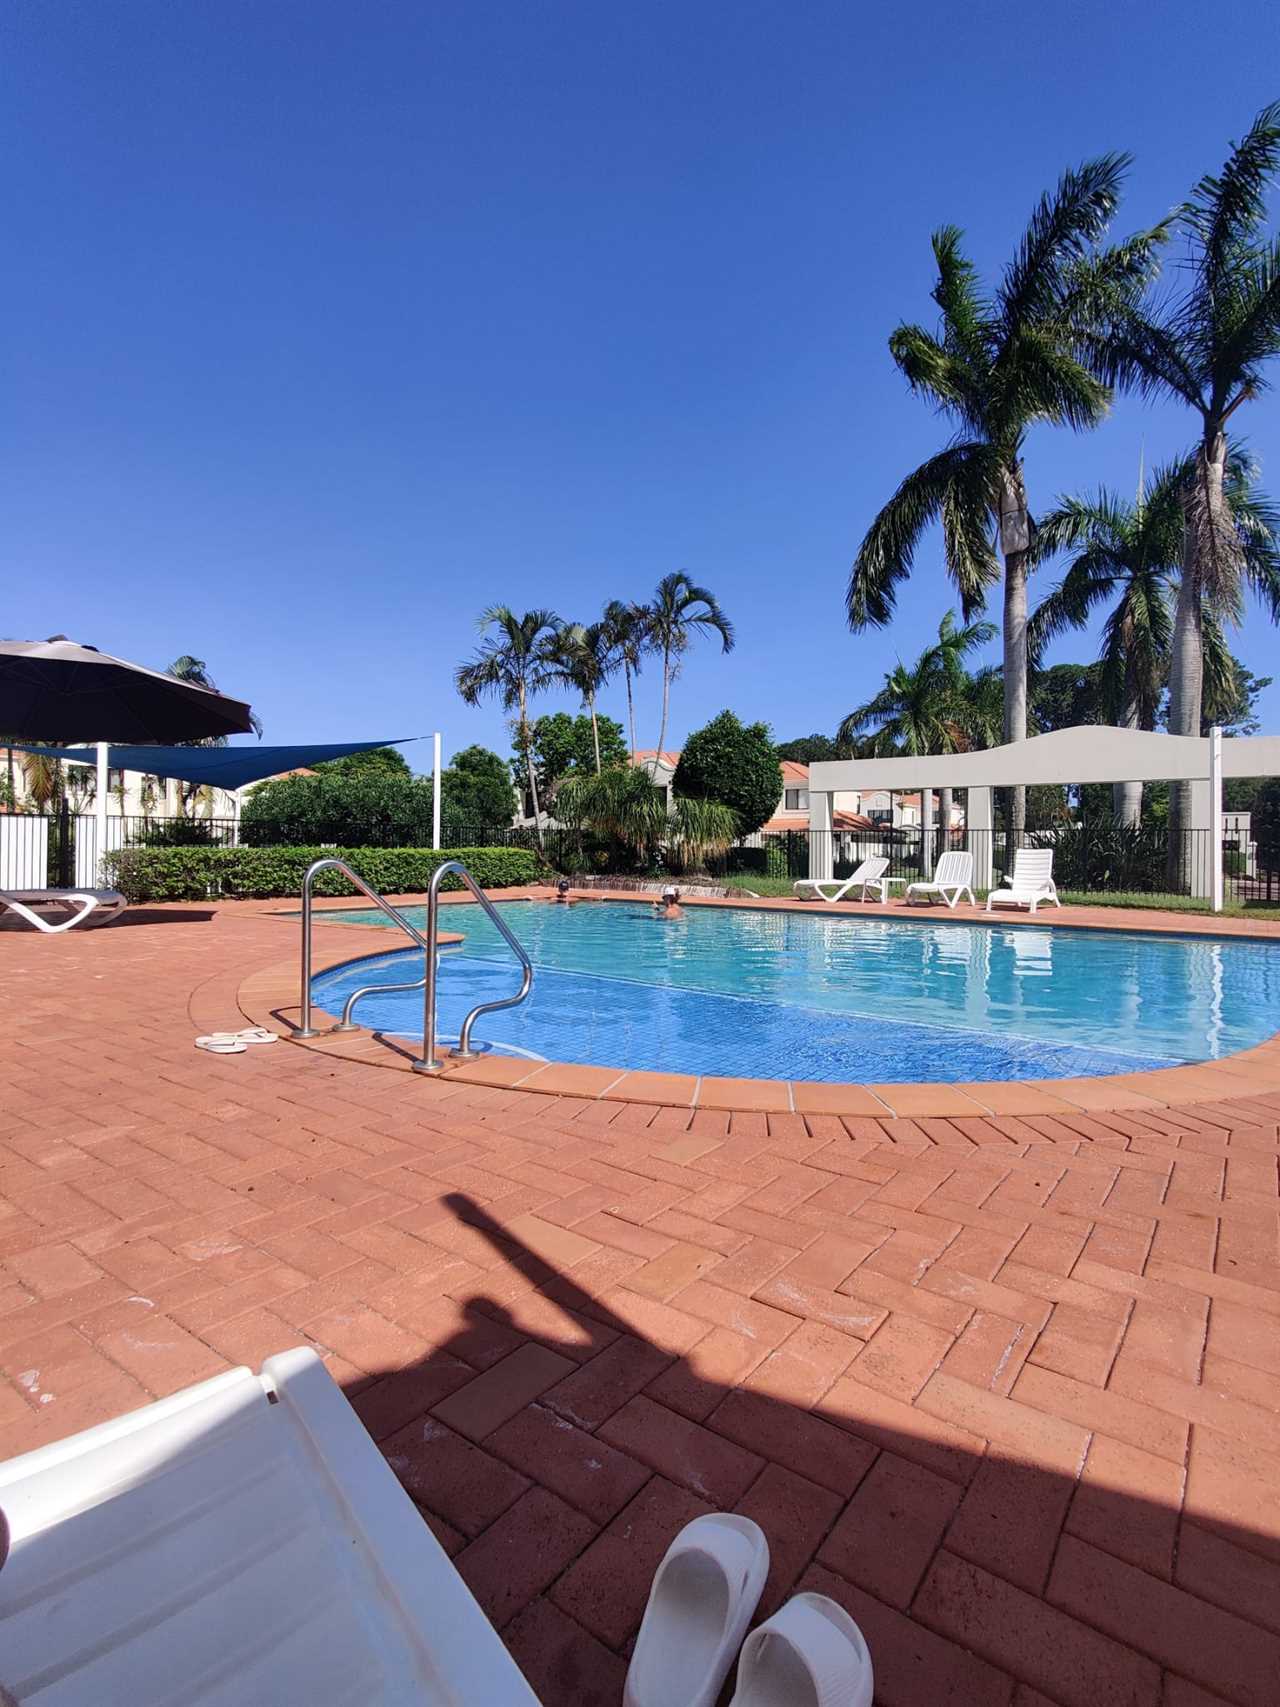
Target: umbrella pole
(100,814)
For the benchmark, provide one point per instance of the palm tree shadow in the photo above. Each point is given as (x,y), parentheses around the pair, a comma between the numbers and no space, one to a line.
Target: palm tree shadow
(970,1571)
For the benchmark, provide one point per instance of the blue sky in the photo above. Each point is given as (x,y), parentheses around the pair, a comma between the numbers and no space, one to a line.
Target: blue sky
(328,325)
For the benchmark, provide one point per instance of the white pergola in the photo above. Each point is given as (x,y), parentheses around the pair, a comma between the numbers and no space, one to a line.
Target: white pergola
(1088,753)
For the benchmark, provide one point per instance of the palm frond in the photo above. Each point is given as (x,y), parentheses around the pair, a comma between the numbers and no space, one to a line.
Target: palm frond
(1226,210)
(1066,222)
(959,479)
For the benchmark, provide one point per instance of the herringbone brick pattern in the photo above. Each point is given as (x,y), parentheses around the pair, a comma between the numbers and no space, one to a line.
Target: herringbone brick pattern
(1008,1388)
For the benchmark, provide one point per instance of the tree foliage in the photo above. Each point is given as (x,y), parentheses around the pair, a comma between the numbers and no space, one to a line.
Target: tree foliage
(1265,825)
(564,746)
(378,761)
(735,763)
(812,749)
(476,789)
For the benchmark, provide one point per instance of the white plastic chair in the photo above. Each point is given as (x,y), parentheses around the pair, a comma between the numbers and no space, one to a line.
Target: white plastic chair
(86,907)
(952,878)
(869,875)
(1031,883)
(241,1542)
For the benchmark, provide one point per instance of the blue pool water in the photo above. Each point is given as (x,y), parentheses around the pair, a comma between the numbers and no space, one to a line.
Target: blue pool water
(806,996)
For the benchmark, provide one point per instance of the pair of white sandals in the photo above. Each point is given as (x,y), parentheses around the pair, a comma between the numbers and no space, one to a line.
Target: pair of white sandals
(809,1654)
(235,1042)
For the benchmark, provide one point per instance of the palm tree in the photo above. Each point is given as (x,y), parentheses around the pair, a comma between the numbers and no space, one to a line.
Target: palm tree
(998,366)
(679,610)
(1127,553)
(189,669)
(44,780)
(1131,553)
(627,638)
(1207,346)
(921,707)
(579,656)
(924,707)
(625,807)
(511,665)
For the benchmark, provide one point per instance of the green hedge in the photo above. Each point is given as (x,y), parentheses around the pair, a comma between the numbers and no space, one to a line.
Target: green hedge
(204,873)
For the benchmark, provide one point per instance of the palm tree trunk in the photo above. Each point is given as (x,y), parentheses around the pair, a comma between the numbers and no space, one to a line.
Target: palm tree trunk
(1015,544)
(631,710)
(1186,666)
(1126,797)
(666,701)
(945,805)
(527,743)
(595,729)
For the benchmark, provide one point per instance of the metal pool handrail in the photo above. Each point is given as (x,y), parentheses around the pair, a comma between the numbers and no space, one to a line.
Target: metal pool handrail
(430,1062)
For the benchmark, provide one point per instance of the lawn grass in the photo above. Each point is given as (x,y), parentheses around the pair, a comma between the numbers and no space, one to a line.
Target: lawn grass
(1147,903)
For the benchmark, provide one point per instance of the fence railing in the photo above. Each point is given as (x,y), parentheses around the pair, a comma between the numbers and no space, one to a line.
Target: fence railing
(1090,856)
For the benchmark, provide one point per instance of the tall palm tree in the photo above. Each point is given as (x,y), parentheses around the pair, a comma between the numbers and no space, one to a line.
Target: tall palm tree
(997,366)
(1208,345)
(579,655)
(627,631)
(679,611)
(511,665)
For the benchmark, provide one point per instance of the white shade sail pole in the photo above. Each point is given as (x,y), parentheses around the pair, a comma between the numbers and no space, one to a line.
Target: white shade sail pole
(1215,819)
(435,792)
(100,809)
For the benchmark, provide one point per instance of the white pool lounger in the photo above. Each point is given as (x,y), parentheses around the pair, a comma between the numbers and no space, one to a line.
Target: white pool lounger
(240,1543)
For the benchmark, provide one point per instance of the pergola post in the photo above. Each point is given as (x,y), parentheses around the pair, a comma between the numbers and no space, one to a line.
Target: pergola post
(978,828)
(926,833)
(821,852)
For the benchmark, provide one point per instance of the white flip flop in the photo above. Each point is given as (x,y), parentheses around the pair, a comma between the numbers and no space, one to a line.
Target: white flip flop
(216,1045)
(809,1654)
(703,1596)
(252,1034)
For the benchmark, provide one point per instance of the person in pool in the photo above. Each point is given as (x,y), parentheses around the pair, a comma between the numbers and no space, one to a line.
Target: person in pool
(563,896)
(668,905)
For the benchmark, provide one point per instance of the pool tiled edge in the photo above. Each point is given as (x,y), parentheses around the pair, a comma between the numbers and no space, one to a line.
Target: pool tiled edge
(270,997)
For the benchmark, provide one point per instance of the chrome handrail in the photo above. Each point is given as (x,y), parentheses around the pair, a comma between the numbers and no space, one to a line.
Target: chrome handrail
(430,1062)
(306,1029)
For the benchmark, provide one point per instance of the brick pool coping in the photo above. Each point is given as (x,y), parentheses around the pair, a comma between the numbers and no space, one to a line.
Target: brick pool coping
(269,996)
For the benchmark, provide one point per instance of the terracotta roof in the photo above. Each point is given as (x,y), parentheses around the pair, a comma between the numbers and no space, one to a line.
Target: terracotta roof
(852,821)
(644,755)
(793,771)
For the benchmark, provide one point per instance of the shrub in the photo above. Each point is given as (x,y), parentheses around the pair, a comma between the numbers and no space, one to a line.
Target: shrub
(176,833)
(205,873)
(735,763)
(372,810)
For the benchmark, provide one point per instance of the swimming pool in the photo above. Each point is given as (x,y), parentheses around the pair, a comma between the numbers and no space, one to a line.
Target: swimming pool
(783,995)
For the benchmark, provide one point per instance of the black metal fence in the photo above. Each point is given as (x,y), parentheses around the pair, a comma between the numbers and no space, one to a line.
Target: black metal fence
(1091,857)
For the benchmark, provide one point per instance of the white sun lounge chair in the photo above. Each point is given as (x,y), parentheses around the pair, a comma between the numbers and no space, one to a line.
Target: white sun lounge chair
(952,878)
(1031,883)
(869,875)
(242,1541)
(54,910)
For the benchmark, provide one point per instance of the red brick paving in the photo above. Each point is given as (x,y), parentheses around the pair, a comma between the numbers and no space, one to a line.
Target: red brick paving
(1005,1384)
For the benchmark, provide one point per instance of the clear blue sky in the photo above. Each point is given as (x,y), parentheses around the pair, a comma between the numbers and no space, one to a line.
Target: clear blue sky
(328,325)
